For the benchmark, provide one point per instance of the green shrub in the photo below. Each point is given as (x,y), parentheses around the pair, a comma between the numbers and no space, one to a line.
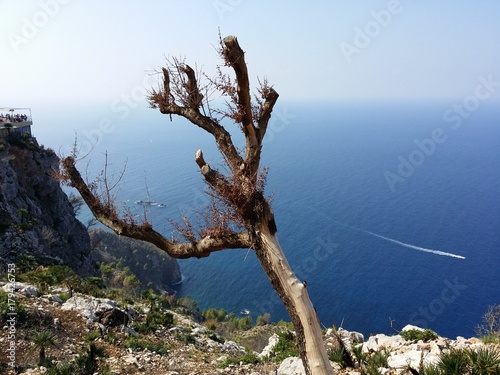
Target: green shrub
(337,355)
(249,358)
(285,347)
(218,315)
(155,319)
(245,323)
(361,357)
(13,305)
(64,296)
(186,338)
(264,319)
(211,324)
(134,343)
(431,369)
(111,338)
(490,339)
(25,263)
(379,359)
(92,286)
(417,335)
(484,361)
(286,325)
(371,369)
(455,362)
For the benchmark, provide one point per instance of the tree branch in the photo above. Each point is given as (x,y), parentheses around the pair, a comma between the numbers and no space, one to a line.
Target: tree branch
(165,102)
(108,215)
(266,108)
(192,90)
(235,57)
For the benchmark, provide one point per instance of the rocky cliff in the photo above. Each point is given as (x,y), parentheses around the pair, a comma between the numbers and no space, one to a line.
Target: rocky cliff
(154,268)
(185,346)
(36,217)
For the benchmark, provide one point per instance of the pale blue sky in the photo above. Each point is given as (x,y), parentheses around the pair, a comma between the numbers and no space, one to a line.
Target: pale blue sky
(76,51)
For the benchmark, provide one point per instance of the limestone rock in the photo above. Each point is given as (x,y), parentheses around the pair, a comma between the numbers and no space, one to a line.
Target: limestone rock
(292,366)
(410,327)
(379,342)
(273,340)
(353,336)
(36,217)
(26,289)
(88,306)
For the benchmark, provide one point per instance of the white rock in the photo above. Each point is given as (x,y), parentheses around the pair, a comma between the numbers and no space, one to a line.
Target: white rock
(291,366)
(409,327)
(435,348)
(199,330)
(130,359)
(27,289)
(89,306)
(13,287)
(273,340)
(390,342)
(408,358)
(370,345)
(411,358)
(353,336)
(233,347)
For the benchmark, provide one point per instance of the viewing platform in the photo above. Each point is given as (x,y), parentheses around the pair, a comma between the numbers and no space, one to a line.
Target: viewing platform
(15,121)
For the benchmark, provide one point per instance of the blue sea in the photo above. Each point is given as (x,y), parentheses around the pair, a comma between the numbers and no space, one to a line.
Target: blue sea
(389,210)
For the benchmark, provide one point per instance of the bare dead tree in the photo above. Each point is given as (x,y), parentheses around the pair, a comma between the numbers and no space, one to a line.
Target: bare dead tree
(240,215)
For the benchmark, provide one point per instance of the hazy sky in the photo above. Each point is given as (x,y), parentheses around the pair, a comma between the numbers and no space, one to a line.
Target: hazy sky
(87,51)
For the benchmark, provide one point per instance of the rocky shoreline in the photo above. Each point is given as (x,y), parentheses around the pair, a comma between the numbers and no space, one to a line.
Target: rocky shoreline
(192,348)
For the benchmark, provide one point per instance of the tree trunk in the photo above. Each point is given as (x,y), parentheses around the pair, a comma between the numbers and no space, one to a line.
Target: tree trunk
(294,295)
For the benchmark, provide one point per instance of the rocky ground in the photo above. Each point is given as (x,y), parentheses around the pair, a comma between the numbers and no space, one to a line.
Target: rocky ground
(186,347)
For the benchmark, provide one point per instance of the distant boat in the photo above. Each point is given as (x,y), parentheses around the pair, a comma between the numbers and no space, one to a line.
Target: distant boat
(161,205)
(245,312)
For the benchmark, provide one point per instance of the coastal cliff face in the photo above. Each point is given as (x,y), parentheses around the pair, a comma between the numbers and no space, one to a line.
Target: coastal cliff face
(36,217)
(153,267)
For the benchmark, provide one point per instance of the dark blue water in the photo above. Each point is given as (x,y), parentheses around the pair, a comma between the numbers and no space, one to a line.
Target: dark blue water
(340,204)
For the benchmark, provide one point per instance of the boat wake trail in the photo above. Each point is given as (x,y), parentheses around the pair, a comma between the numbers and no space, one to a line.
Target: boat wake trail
(410,246)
